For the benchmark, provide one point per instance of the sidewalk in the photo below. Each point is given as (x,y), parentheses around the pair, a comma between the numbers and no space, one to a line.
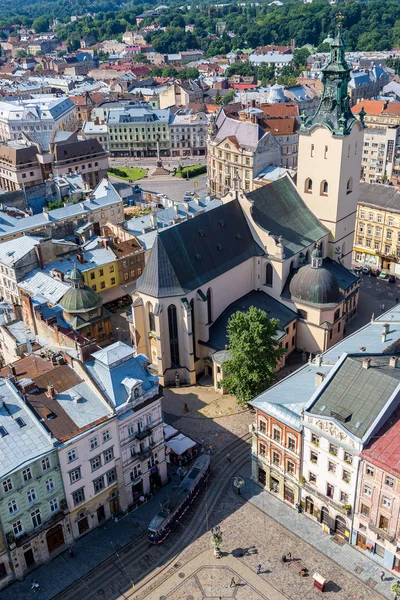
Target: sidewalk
(357,563)
(89,552)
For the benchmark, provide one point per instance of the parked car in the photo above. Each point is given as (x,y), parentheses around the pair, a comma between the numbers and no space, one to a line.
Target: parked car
(357,270)
(375,272)
(137,189)
(366,270)
(189,194)
(383,275)
(392,279)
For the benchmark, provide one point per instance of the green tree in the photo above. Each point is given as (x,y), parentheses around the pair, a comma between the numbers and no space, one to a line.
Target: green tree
(254,354)
(229,97)
(41,24)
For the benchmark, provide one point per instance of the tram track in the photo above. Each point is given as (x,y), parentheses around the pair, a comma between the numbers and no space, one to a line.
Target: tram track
(109,572)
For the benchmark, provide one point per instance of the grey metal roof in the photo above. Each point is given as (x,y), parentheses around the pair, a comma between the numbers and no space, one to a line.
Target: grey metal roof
(21,445)
(298,388)
(116,363)
(217,333)
(279,209)
(14,250)
(357,393)
(377,195)
(104,195)
(247,134)
(287,399)
(190,254)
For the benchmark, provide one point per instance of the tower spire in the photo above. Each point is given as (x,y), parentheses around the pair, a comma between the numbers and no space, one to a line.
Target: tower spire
(334,111)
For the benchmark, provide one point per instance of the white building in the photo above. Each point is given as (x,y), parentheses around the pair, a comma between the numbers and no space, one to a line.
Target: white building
(42,113)
(379,153)
(134,394)
(188,133)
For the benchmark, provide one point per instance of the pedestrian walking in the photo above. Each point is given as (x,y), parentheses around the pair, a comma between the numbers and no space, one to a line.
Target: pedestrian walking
(71,552)
(289,556)
(258,569)
(228,457)
(202,442)
(382,575)
(233,583)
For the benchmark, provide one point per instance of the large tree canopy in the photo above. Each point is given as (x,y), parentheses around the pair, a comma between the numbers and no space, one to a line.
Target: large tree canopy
(254,354)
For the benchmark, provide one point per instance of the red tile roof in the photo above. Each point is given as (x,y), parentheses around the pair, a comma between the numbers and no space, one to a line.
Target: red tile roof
(371,107)
(281,126)
(244,86)
(384,450)
(289,109)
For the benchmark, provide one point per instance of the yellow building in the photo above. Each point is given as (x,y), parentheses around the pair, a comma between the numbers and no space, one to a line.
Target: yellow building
(377,237)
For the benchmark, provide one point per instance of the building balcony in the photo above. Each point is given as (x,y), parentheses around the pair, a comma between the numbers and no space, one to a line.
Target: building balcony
(390,536)
(309,487)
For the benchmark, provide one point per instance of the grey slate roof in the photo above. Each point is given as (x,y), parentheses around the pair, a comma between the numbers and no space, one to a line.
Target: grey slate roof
(359,393)
(279,209)
(218,338)
(386,197)
(188,255)
(247,134)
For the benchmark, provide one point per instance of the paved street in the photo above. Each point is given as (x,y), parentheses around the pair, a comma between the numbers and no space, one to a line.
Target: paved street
(376,296)
(256,531)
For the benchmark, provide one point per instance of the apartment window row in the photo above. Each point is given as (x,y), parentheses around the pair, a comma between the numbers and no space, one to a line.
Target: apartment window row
(26,475)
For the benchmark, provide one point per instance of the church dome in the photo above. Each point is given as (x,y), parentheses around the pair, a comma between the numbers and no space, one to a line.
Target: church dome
(315,286)
(276,94)
(79,298)
(328,40)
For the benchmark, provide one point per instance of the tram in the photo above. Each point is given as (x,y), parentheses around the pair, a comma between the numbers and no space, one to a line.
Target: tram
(161,525)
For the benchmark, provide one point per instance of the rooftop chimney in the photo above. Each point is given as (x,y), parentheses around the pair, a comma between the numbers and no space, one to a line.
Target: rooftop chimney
(393,362)
(51,392)
(319,378)
(80,258)
(366,363)
(38,251)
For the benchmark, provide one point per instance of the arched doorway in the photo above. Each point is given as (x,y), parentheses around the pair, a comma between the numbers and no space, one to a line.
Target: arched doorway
(340,526)
(325,516)
(309,505)
(54,538)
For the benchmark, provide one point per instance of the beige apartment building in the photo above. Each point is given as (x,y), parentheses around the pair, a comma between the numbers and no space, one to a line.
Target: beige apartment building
(237,153)
(377,237)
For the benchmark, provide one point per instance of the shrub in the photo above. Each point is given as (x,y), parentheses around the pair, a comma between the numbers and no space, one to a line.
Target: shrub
(193,171)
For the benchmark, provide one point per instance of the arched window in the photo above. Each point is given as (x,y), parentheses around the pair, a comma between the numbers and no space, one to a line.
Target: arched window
(173,335)
(308,185)
(269,274)
(349,187)
(306,256)
(324,187)
(209,306)
(193,318)
(152,321)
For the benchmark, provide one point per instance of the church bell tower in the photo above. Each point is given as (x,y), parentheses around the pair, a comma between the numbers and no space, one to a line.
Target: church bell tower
(330,149)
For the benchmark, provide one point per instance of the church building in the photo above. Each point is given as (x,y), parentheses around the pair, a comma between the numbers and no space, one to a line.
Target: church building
(282,248)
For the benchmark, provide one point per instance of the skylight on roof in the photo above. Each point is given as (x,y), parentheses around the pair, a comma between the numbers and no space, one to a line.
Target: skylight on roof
(3,431)
(20,422)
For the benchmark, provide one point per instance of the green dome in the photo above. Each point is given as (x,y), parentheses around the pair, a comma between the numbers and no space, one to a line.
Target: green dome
(80,300)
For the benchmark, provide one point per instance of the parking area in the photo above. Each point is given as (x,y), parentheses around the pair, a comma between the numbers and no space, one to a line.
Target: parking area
(376,296)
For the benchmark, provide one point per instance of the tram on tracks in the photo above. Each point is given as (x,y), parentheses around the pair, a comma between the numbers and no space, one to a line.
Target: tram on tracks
(161,525)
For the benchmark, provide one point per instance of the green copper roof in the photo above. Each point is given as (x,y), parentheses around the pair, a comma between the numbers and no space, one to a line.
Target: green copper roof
(334,111)
(80,300)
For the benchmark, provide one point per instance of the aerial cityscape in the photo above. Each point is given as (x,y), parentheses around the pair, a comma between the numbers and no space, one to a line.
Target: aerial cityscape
(200,300)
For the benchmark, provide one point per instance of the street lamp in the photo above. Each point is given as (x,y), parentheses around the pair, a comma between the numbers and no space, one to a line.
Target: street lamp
(238,483)
(216,540)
